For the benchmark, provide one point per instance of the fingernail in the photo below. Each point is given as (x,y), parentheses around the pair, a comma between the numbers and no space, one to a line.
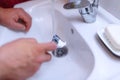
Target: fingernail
(55,45)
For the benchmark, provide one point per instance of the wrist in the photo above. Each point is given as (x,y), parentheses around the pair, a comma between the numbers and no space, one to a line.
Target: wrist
(1,10)
(1,13)
(3,68)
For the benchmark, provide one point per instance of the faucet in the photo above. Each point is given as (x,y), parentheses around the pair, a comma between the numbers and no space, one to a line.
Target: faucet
(87,10)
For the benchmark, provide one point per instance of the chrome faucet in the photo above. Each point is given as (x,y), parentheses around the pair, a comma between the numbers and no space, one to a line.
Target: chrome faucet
(87,10)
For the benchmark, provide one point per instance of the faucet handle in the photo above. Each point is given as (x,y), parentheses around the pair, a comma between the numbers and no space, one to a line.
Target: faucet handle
(77,4)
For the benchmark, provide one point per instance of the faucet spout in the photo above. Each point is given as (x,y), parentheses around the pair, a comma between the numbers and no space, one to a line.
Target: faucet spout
(95,3)
(87,10)
(77,4)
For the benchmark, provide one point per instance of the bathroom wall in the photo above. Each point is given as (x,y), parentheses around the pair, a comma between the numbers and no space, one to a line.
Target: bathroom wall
(112,6)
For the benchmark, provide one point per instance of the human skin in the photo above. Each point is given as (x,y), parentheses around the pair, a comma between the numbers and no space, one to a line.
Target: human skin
(20,59)
(15,18)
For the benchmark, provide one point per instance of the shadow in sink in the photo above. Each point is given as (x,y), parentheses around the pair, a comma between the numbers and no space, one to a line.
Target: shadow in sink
(76,65)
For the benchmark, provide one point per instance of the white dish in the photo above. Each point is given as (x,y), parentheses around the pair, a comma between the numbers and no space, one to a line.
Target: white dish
(107,43)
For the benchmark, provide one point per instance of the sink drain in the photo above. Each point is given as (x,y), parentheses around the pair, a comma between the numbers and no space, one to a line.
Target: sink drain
(61,50)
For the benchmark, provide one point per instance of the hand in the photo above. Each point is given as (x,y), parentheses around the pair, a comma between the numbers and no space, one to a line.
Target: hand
(15,18)
(20,59)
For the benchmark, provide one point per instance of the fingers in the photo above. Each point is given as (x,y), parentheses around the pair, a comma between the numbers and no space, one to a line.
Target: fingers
(27,20)
(43,58)
(15,18)
(50,46)
(18,26)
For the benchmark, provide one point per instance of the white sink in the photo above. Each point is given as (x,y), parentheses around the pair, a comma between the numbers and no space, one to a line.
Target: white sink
(76,65)
(87,58)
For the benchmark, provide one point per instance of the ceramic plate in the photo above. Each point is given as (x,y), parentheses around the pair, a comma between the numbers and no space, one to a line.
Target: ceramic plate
(107,43)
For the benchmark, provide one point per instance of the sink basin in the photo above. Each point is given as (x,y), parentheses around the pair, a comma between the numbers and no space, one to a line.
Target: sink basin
(76,65)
